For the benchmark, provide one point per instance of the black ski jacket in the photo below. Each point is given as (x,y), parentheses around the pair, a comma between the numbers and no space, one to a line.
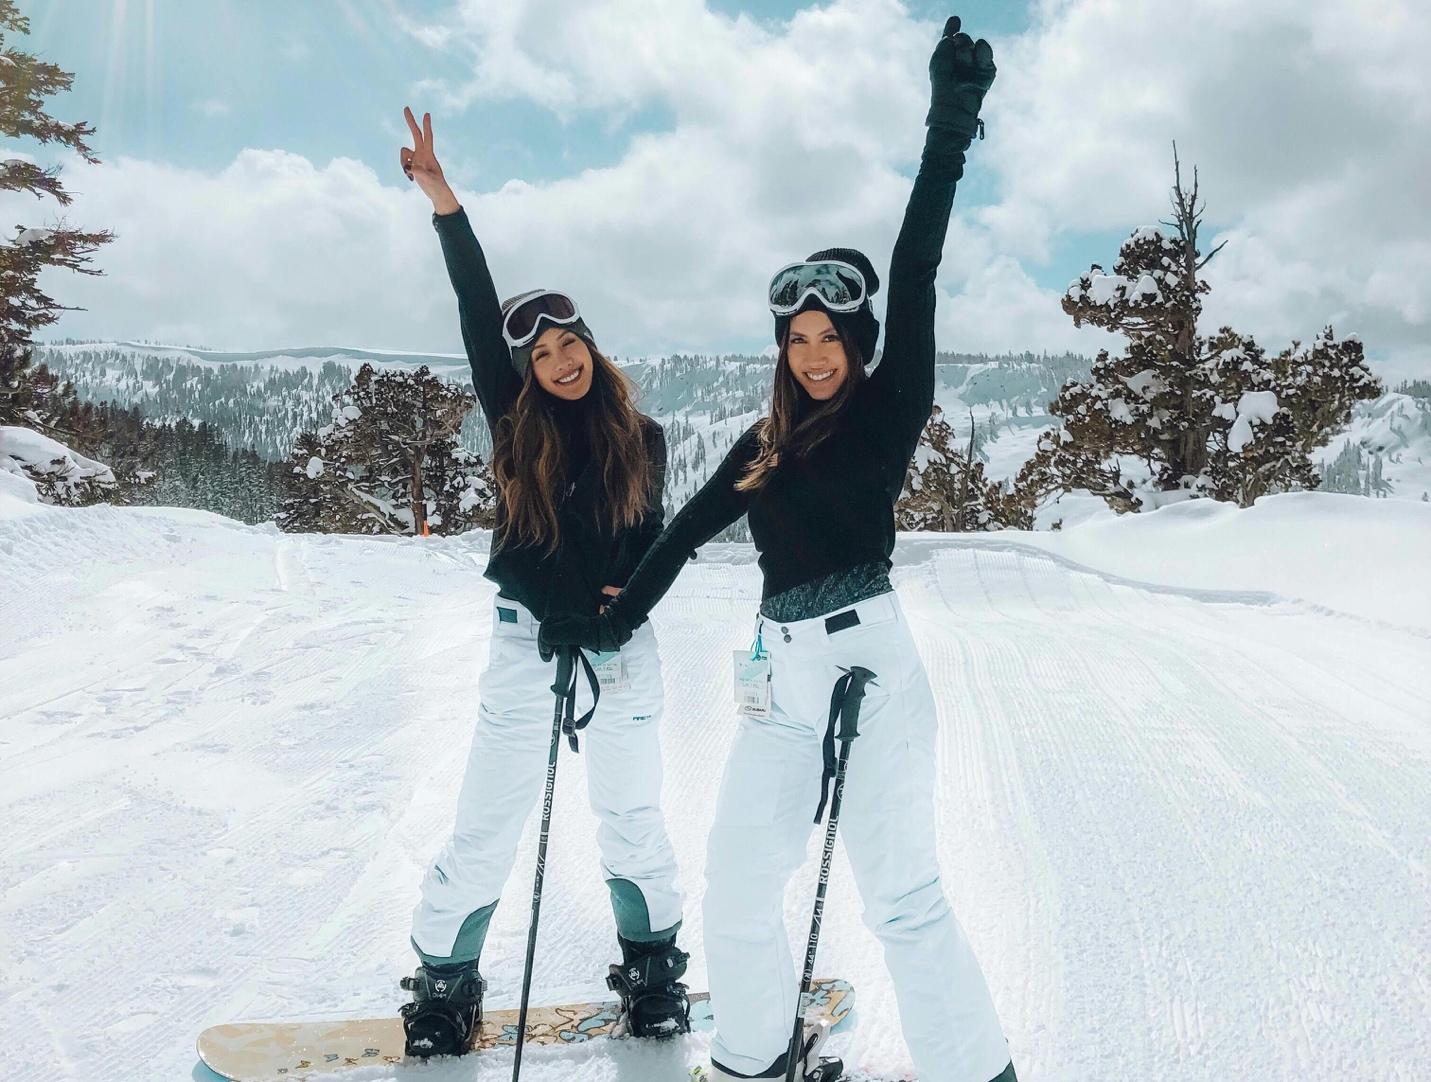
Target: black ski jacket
(834,509)
(590,555)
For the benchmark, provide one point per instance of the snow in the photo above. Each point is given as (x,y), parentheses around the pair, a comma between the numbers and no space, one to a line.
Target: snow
(15,488)
(314,469)
(1183,812)
(1253,408)
(1106,288)
(24,448)
(33,236)
(1145,383)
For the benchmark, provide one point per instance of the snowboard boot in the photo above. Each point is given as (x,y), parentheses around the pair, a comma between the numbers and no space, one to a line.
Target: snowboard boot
(446,1009)
(653,1001)
(813,1067)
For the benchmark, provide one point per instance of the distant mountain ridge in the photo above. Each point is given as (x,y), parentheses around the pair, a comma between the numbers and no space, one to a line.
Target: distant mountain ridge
(264,398)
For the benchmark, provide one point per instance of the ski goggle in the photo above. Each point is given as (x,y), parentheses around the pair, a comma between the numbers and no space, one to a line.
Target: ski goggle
(838,286)
(522,321)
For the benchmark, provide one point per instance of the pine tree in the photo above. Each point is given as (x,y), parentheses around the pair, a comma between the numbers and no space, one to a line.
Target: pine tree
(390,461)
(945,490)
(1200,415)
(25,82)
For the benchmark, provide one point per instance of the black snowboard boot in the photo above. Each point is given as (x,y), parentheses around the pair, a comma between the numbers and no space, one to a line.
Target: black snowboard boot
(446,1009)
(653,1001)
(813,1067)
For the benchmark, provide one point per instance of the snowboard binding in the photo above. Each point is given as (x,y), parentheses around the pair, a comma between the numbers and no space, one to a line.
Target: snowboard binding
(653,1001)
(445,1011)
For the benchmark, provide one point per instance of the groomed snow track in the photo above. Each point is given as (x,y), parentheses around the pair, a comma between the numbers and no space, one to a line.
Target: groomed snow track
(1186,830)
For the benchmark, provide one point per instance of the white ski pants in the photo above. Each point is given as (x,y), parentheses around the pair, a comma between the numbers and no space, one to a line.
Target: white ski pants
(763,820)
(506,772)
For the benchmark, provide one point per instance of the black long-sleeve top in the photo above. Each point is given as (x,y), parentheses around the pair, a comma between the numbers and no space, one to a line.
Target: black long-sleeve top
(834,509)
(590,555)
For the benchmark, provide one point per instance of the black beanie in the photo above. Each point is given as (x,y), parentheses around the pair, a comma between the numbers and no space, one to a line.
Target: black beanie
(860,325)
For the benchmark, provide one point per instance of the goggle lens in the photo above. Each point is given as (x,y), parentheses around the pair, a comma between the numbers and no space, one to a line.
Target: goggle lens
(839,285)
(521,323)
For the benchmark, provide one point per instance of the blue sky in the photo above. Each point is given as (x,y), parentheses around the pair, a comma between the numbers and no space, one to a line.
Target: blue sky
(577,132)
(193,83)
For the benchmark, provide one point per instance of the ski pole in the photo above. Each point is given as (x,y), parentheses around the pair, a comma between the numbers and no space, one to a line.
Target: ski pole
(564,689)
(844,709)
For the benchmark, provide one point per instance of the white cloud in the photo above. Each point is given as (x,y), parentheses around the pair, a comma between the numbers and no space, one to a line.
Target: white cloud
(1310,120)
(269,251)
(1310,127)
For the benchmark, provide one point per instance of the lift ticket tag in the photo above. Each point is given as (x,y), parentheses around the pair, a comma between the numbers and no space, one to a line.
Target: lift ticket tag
(610,669)
(752,684)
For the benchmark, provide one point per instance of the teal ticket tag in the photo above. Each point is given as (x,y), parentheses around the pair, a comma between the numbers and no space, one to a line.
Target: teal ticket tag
(610,669)
(752,684)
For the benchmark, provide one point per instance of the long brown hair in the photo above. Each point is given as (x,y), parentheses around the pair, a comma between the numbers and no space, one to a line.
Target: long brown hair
(780,433)
(529,457)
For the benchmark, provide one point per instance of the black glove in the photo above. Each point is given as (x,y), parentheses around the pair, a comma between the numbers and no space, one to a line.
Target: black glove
(602,633)
(960,73)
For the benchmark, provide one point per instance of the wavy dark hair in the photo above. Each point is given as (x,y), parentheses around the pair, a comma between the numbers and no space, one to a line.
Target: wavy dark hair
(529,458)
(781,433)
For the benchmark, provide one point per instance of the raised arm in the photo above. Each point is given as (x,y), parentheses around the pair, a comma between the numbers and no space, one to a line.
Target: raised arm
(960,72)
(714,507)
(480,312)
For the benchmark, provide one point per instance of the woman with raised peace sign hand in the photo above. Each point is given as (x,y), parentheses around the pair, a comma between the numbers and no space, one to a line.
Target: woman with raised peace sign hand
(818,479)
(580,477)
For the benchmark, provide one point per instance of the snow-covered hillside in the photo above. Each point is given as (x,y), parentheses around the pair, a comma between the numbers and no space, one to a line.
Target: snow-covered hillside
(1186,759)
(1387,447)
(262,399)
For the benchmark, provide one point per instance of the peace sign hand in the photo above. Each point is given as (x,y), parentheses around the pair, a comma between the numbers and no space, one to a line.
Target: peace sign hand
(420,165)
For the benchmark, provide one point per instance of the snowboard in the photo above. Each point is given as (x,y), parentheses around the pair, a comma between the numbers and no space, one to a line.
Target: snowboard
(253,1051)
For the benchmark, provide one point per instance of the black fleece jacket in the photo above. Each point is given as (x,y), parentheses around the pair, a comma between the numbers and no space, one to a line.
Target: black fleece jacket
(834,509)
(590,555)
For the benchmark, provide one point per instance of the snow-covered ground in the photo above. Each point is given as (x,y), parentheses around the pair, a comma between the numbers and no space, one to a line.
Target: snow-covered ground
(1186,761)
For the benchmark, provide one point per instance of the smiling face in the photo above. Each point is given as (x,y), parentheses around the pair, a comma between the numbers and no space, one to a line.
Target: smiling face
(561,363)
(816,354)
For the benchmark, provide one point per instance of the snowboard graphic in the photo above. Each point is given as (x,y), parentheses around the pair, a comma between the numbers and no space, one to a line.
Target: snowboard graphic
(252,1051)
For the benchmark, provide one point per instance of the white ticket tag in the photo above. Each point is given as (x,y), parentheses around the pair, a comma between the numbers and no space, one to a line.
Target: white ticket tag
(610,669)
(752,684)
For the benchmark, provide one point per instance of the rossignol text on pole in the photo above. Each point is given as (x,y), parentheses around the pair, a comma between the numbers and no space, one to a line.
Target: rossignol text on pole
(845,701)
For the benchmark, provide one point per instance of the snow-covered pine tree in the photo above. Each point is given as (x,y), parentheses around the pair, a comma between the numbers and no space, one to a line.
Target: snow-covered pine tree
(1281,409)
(1183,413)
(461,489)
(390,462)
(25,83)
(303,507)
(945,489)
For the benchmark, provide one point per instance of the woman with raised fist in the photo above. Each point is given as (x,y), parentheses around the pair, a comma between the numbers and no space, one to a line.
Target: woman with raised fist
(818,479)
(580,476)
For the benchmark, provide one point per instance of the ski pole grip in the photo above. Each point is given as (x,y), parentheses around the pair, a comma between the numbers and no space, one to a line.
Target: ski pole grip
(850,708)
(566,665)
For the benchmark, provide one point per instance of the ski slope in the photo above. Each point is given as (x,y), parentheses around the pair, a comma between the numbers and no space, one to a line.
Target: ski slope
(1186,763)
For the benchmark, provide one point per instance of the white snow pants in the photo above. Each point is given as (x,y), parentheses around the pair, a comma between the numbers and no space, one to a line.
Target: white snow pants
(506,770)
(765,815)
